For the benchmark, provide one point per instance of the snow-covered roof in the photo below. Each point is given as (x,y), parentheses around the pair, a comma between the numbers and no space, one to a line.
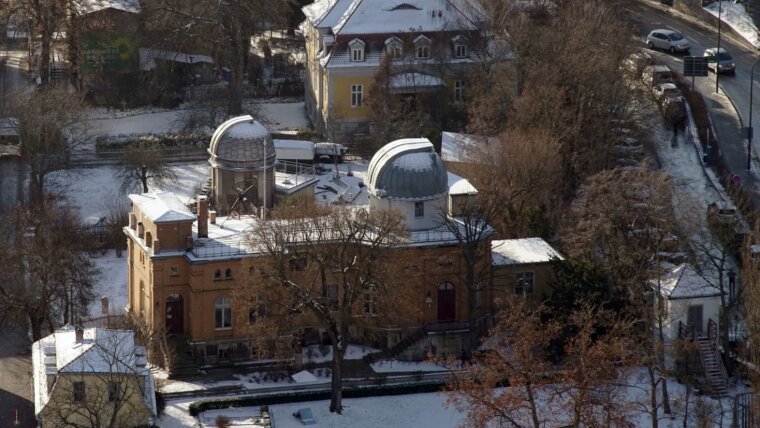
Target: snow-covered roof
(522,251)
(398,16)
(460,186)
(162,207)
(89,6)
(148,57)
(407,168)
(684,282)
(456,147)
(100,351)
(414,80)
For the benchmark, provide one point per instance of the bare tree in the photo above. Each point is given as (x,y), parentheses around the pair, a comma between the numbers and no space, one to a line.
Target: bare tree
(143,162)
(226,26)
(330,268)
(51,125)
(47,272)
(624,220)
(582,389)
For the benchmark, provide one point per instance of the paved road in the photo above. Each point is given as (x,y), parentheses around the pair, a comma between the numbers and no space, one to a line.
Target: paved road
(736,88)
(15,378)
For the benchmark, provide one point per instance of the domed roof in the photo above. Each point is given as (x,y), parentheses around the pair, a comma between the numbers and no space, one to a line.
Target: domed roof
(241,144)
(408,168)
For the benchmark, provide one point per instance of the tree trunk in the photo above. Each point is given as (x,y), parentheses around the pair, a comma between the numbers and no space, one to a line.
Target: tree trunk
(532,403)
(686,406)
(239,49)
(336,399)
(653,394)
(43,68)
(36,190)
(36,324)
(144,178)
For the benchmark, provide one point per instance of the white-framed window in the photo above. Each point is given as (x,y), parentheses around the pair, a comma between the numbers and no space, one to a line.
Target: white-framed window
(222,313)
(460,50)
(460,46)
(419,209)
(422,47)
(524,282)
(459,90)
(357,50)
(357,95)
(369,305)
(394,47)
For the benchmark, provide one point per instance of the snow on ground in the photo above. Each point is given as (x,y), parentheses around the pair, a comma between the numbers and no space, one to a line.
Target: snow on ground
(313,354)
(111,283)
(278,116)
(391,366)
(737,18)
(92,190)
(150,120)
(429,410)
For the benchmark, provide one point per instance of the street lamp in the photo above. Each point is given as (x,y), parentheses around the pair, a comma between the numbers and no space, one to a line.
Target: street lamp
(749,128)
(717,67)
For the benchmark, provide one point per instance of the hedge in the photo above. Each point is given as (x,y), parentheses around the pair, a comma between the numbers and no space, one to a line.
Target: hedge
(300,396)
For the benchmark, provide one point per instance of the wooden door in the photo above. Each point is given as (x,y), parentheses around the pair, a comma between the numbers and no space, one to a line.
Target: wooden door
(446,302)
(174,315)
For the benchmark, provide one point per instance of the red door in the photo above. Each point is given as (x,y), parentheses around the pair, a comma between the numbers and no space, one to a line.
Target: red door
(174,315)
(446,302)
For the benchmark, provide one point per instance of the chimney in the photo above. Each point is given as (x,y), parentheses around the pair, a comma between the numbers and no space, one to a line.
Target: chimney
(202,216)
(104,305)
(78,334)
(212,216)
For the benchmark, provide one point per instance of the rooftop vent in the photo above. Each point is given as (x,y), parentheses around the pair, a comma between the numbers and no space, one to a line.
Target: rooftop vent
(405,6)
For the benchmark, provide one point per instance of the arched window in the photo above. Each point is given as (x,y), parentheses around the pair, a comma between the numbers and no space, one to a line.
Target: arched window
(222,313)
(148,239)
(217,275)
(228,273)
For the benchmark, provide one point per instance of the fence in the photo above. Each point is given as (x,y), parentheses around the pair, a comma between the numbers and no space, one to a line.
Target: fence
(116,157)
(745,414)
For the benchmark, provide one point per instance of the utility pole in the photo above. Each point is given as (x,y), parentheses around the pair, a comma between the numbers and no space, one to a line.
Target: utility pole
(717,67)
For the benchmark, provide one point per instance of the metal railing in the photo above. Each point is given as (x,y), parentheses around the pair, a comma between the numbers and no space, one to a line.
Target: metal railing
(116,157)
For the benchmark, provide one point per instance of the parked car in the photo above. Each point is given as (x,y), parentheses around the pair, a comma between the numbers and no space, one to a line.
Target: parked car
(723,217)
(665,90)
(668,40)
(720,61)
(656,74)
(10,143)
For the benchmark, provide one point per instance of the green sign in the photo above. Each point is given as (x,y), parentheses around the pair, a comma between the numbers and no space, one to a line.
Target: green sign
(117,52)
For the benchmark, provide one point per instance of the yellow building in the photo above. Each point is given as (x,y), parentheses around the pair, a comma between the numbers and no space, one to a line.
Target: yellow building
(92,377)
(185,267)
(431,44)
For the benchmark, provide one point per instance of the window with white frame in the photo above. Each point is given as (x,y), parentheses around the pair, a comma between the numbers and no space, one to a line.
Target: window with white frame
(222,313)
(357,93)
(524,283)
(369,306)
(422,47)
(459,90)
(460,47)
(394,47)
(357,50)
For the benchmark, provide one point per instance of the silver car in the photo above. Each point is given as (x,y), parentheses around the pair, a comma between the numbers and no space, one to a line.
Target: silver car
(720,61)
(668,40)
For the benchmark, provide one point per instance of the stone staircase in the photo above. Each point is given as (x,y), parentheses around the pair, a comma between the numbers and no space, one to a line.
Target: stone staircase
(398,348)
(184,364)
(715,371)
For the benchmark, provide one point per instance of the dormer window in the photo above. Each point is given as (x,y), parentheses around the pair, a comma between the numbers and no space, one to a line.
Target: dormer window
(460,47)
(394,47)
(422,47)
(356,47)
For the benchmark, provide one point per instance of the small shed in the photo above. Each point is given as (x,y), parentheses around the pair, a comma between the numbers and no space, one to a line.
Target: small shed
(522,267)
(686,297)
